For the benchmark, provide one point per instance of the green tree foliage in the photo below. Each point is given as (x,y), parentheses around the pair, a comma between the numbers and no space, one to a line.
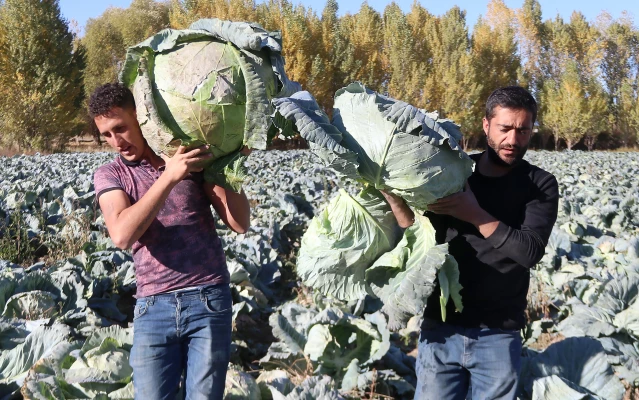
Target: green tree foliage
(108,36)
(426,60)
(495,51)
(531,39)
(620,44)
(40,76)
(454,83)
(575,108)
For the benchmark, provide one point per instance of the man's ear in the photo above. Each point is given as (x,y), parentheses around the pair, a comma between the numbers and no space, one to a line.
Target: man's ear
(486,124)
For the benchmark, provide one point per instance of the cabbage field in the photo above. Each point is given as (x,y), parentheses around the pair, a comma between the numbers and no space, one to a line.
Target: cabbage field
(64,329)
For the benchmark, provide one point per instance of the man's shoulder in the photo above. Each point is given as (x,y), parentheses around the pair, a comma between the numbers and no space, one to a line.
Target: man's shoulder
(539,176)
(114,167)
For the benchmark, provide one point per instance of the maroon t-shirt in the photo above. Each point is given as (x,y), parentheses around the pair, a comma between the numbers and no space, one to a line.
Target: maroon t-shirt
(181,247)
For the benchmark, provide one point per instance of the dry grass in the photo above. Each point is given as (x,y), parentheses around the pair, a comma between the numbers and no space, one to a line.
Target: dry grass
(67,244)
(546,339)
(538,301)
(82,144)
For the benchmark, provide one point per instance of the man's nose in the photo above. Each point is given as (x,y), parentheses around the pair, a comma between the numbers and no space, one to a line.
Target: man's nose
(117,139)
(511,137)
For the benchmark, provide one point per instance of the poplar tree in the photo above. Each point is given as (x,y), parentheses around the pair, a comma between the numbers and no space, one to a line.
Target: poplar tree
(108,36)
(325,77)
(531,38)
(40,76)
(620,50)
(420,21)
(495,51)
(365,32)
(454,83)
(398,54)
(574,108)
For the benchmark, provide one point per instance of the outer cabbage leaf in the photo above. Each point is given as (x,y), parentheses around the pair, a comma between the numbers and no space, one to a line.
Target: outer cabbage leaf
(404,277)
(290,326)
(313,388)
(556,388)
(16,362)
(337,338)
(343,241)
(399,148)
(314,126)
(241,386)
(581,361)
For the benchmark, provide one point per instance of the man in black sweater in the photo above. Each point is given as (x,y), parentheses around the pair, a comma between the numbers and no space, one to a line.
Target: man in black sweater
(497,229)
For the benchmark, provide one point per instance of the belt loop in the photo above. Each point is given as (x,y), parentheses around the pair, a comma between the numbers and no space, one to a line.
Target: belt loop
(151,300)
(202,296)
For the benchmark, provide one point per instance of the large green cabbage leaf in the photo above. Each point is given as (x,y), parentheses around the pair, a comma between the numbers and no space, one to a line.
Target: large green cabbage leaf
(15,363)
(209,84)
(398,147)
(343,241)
(581,361)
(404,278)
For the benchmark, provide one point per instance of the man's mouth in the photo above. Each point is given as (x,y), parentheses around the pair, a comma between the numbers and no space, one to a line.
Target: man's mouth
(126,151)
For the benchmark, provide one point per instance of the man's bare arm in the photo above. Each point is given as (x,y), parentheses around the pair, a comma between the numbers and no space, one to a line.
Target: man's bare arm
(126,223)
(404,215)
(232,207)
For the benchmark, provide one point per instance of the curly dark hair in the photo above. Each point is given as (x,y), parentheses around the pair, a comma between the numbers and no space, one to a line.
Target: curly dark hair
(108,96)
(513,97)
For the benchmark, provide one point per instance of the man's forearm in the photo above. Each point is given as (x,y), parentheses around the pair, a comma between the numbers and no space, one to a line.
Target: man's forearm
(133,221)
(239,211)
(232,207)
(403,214)
(484,222)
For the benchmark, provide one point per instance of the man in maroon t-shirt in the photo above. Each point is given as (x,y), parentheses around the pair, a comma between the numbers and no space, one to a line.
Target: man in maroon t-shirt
(160,208)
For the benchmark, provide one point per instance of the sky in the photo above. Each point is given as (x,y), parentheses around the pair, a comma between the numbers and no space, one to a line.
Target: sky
(82,10)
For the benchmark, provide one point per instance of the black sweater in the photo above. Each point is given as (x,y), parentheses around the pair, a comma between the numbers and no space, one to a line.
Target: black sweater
(495,271)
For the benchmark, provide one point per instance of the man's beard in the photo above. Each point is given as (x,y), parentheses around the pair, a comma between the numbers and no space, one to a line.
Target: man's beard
(493,153)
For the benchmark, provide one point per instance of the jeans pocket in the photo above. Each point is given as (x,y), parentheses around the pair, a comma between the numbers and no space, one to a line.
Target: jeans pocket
(218,300)
(141,306)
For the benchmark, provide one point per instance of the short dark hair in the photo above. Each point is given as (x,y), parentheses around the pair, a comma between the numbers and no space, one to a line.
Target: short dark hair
(513,97)
(108,96)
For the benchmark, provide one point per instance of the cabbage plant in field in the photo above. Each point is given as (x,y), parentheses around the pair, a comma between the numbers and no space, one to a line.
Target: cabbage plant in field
(209,84)
(353,248)
(383,142)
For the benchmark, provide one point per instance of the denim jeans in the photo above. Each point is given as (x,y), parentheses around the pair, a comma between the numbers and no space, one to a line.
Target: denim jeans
(456,363)
(187,331)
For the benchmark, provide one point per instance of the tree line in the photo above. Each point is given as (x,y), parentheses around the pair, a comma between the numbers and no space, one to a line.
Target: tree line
(584,74)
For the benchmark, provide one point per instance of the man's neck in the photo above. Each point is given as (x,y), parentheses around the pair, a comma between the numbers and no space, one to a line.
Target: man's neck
(491,169)
(153,159)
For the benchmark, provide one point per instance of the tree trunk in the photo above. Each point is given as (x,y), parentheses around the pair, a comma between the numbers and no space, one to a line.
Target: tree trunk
(589,141)
(569,144)
(556,143)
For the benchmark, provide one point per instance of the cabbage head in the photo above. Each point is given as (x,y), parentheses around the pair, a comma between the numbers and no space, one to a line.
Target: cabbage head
(383,142)
(343,241)
(209,84)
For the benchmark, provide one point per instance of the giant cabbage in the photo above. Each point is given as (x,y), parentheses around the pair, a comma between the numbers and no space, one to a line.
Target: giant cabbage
(384,142)
(353,248)
(209,84)
(343,241)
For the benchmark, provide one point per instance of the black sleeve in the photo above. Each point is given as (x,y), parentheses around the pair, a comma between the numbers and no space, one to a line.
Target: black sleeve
(527,245)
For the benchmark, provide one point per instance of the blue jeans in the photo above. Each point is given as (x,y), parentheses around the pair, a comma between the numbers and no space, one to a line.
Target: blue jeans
(456,363)
(186,331)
